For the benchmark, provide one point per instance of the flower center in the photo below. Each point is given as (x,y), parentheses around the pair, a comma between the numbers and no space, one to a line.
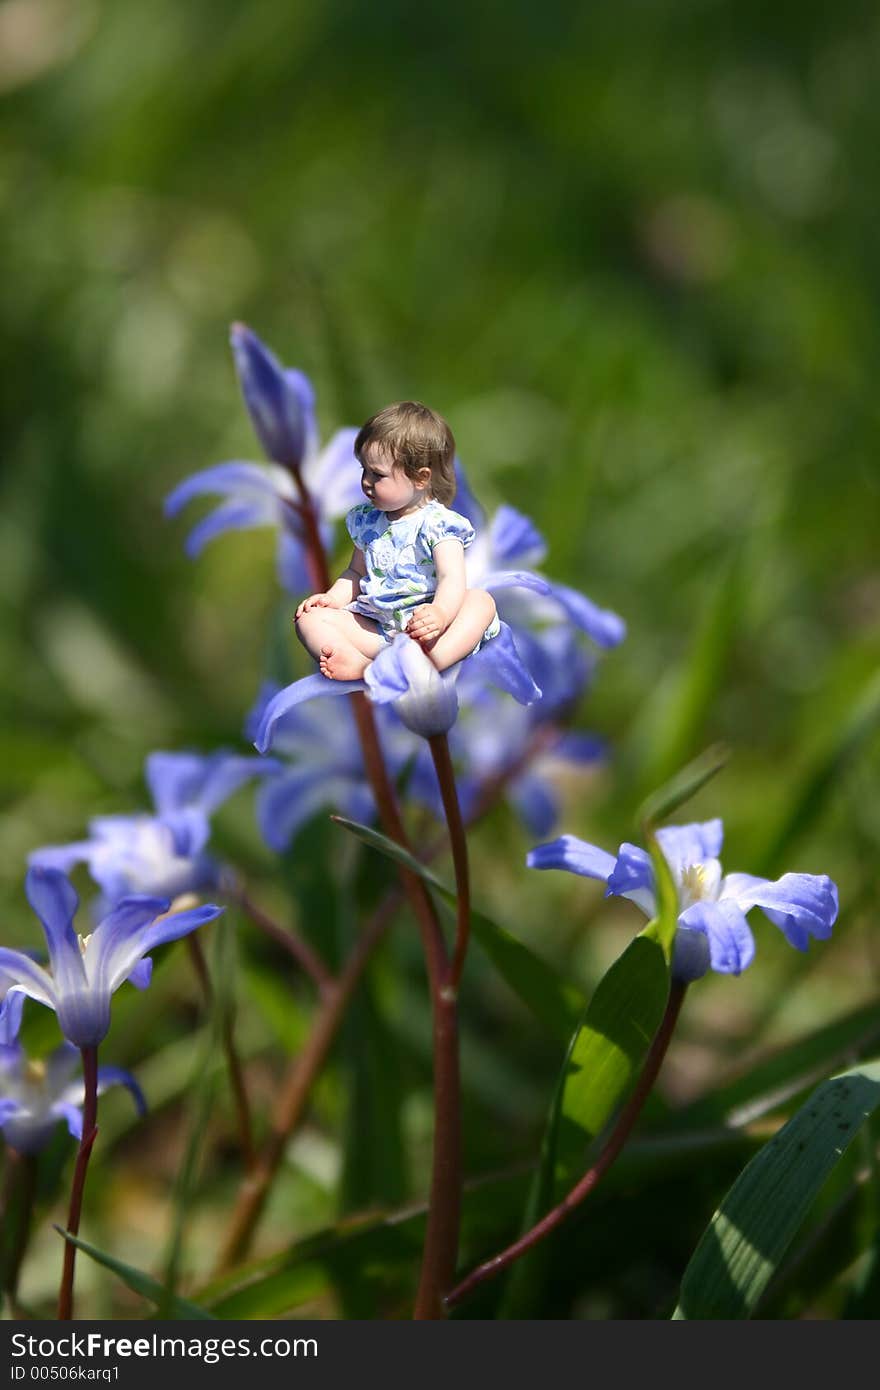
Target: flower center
(83,943)
(693,882)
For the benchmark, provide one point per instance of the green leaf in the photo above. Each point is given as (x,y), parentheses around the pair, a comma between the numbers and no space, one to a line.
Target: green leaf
(555,1002)
(848,738)
(769,1084)
(752,1229)
(139,1282)
(680,788)
(604,1059)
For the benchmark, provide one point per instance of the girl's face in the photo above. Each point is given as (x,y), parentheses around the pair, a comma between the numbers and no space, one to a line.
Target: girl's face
(387,487)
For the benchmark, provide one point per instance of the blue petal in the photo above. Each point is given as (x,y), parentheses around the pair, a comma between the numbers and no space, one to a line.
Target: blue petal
(226,773)
(11,1010)
(577,856)
(190,831)
(605,627)
(292,695)
(142,974)
(633,875)
(691,955)
(466,503)
(801,905)
(514,579)
(292,563)
(53,899)
(231,516)
(731,944)
(536,801)
(118,1076)
(72,1113)
(579,748)
(243,482)
(175,780)
(424,698)
(114,948)
(499,662)
(684,845)
(334,479)
(276,400)
(286,803)
(19,970)
(61,857)
(515,539)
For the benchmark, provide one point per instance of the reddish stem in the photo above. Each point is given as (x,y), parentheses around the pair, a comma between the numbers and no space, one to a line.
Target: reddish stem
(616,1140)
(439,746)
(304,954)
(89,1134)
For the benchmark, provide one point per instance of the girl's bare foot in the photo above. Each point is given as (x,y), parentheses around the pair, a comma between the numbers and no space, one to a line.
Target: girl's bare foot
(342,662)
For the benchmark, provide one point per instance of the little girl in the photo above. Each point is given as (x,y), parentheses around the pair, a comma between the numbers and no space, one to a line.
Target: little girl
(407,568)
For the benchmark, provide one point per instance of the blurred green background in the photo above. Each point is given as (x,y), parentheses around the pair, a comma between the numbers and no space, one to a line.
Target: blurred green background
(628,251)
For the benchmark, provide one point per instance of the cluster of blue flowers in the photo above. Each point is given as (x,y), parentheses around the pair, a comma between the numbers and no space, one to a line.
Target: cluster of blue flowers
(142,863)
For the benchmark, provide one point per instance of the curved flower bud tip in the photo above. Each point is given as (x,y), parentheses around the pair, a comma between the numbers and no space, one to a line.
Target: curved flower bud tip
(280,403)
(712,928)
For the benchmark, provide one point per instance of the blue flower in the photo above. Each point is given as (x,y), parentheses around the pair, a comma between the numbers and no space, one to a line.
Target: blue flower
(84,972)
(281,404)
(520,751)
(325,767)
(36,1096)
(163,853)
(423,698)
(502,559)
(712,926)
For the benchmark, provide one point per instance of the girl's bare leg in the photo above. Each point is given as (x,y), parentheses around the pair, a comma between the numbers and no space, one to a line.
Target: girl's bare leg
(342,643)
(465,630)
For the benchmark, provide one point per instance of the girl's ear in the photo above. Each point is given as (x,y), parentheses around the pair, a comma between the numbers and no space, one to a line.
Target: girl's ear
(423,477)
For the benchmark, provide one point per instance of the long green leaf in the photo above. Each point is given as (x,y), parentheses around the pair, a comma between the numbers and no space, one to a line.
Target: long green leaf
(752,1229)
(139,1282)
(555,1002)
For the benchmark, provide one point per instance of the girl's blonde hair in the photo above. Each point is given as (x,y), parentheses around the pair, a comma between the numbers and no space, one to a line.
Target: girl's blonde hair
(414,437)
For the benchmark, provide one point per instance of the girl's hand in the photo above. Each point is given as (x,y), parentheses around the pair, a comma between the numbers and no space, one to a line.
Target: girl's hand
(427,623)
(315,601)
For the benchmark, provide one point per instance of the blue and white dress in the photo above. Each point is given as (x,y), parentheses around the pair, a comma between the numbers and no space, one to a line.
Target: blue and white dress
(399,560)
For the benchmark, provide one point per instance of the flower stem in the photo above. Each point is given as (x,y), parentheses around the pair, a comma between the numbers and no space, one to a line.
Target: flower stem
(89,1134)
(616,1140)
(439,746)
(295,946)
(441,1242)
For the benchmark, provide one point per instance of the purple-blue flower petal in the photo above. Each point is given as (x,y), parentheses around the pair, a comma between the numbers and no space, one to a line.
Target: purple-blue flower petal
(309,688)
(606,628)
(499,662)
(514,579)
(536,801)
(334,477)
(731,944)
(577,856)
(230,516)
(118,1076)
(801,905)
(53,899)
(633,872)
(277,403)
(241,482)
(683,845)
(515,539)
(19,970)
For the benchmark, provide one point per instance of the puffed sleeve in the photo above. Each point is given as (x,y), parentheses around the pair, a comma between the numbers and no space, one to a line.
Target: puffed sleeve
(441,524)
(355,522)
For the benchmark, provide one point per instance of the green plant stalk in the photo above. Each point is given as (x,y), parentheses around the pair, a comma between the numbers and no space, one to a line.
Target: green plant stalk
(16,1215)
(89,1134)
(615,1142)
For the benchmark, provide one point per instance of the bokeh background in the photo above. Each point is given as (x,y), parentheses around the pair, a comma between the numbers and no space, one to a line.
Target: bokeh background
(629,252)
